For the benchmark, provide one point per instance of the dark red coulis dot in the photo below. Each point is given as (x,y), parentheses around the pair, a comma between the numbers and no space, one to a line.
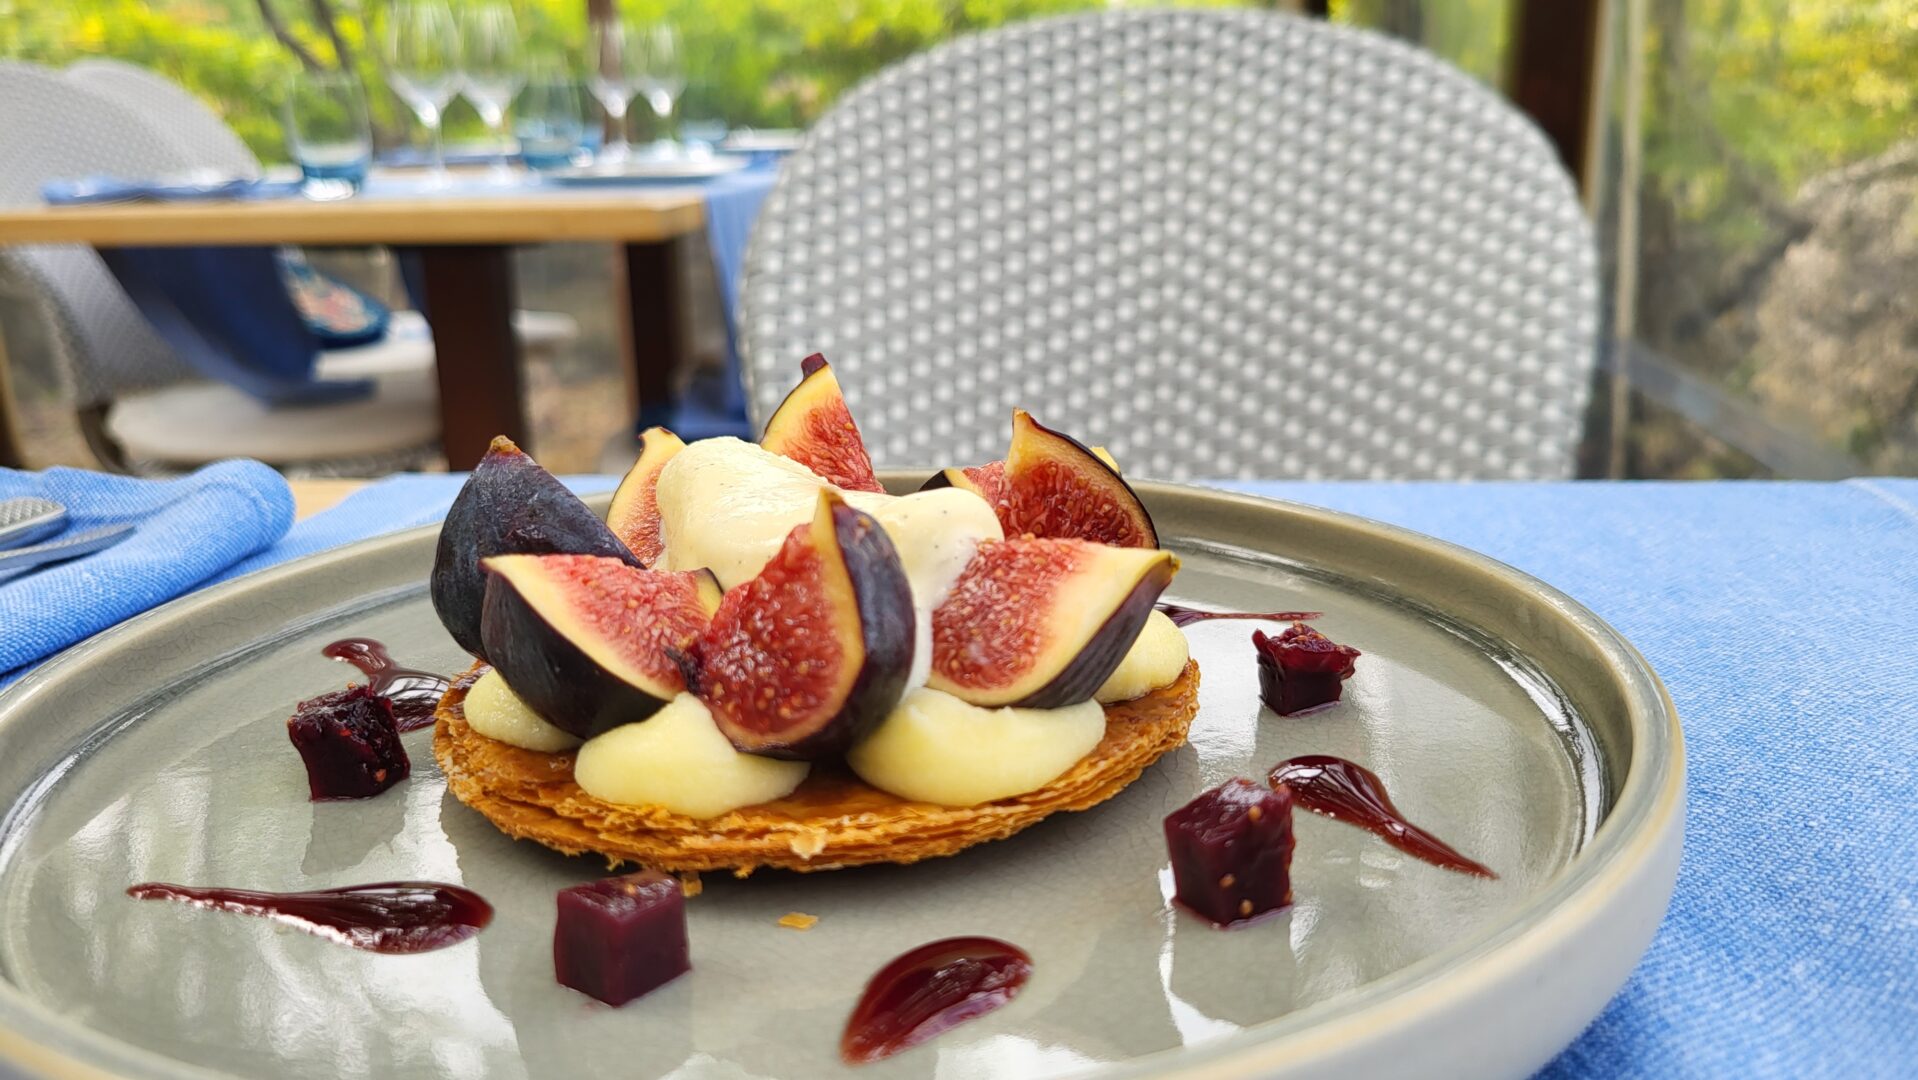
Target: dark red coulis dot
(387,917)
(1186,616)
(414,694)
(1349,792)
(930,990)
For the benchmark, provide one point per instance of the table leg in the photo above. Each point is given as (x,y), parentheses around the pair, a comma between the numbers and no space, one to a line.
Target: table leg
(657,313)
(13,454)
(470,303)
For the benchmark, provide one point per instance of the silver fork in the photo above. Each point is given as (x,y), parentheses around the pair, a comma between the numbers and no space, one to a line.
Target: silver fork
(25,520)
(72,546)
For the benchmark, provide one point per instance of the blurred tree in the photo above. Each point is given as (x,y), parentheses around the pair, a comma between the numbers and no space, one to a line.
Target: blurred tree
(1777,140)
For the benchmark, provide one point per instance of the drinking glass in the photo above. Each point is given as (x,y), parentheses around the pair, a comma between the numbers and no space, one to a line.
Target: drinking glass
(549,120)
(423,65)
(327,133)
(615,67)
(662,80)
(490,63)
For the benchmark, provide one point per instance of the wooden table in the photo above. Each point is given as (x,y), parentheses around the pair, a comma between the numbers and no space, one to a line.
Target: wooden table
(316,496)
(465,239)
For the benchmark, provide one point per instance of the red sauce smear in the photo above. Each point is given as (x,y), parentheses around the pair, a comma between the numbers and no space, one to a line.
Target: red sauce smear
(389,917)
(1186,616)
(1349,792)
(929,990)
(414,693)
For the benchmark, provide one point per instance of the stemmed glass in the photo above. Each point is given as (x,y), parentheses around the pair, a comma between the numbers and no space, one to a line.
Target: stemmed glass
(490,64)
(423,66)
(662,80)
(616,67)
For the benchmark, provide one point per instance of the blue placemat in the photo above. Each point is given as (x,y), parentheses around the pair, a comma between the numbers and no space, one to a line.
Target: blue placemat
(190,531)
(1784,620)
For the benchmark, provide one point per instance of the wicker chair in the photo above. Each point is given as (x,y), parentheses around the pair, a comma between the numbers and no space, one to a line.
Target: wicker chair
(1223,244)
(177,116)
(138,402)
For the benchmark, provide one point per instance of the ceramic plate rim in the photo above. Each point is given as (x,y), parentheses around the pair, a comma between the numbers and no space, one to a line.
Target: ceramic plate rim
(1642,821)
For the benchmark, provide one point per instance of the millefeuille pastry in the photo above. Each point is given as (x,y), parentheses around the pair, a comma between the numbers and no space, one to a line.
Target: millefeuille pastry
(763,659)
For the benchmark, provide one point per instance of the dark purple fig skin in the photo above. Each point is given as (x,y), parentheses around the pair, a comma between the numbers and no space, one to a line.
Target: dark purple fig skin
(1090,461)
(944,478)
(885,615)
(1231,852)
(509,506)
(1088,671)
(567,688)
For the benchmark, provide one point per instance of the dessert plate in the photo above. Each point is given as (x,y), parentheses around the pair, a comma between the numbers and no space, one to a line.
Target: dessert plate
(1502,715)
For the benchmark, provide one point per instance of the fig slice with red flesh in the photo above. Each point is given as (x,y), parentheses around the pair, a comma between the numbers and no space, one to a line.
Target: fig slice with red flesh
(1054,487)
(814,427)
(1057,488)
(1042,623)
(634,515)
(509,506)
(589,642)
(987,481)
(808,657)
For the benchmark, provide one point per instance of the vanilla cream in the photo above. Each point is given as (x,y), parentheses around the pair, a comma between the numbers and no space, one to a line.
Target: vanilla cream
(936,748)
(1156,657)
(678,759)
(493,710)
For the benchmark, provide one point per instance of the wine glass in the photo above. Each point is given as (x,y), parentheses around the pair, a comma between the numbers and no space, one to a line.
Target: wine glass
(423,65)
(616,66)
(490,64)
(662,80)
(327,133)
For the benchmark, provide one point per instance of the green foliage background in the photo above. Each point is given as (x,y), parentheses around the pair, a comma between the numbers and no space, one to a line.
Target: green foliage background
(764,63)
(1747,101)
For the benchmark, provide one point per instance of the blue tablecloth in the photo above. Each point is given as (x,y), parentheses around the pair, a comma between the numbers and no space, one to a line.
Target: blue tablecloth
(1784,619)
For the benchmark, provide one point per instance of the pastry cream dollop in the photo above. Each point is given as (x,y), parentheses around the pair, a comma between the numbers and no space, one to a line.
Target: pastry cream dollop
(493,710)
(1156,658)
(678,759)
(936,748)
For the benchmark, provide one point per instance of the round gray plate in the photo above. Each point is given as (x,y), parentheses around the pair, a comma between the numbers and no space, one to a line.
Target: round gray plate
(1500,714)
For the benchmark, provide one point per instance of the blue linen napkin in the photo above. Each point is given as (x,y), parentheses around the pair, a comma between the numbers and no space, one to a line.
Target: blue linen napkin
(188,531)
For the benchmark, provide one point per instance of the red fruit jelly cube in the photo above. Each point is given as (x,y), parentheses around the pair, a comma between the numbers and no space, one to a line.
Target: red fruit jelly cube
(350,743)
(1301,668)
(621,937)
(1232,851)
